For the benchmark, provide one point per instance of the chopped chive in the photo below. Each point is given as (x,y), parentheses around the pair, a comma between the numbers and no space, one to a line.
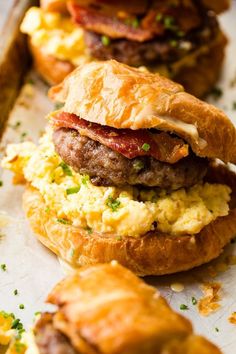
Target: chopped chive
(135,22)
(146,147)
(89,230)
(15,292)
(118,238)
(173,43)
(1,183)
(183,307)
(47,209)
(113,203)
(216,92)
(194,301)
(4,267)
(169,22)
(217,329)
(66,168)
(37,313)
(138,165)
(72,190)
(21,306)
(30,81)
(105,40)
(85,179)
(63,221)
(58,105)
(159,17)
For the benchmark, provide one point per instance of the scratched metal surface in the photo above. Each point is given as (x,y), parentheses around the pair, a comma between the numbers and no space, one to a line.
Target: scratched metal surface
(32,270)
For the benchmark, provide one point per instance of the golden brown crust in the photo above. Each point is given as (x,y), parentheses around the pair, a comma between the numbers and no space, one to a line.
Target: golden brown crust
(217,6)
(121,315)
(199,77)
(152,254)
(54,5)
(52,70)
(113,94)
(60,5)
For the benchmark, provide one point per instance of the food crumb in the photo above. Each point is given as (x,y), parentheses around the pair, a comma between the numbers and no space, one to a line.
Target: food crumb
(177,287)
(232,318)
(210,301)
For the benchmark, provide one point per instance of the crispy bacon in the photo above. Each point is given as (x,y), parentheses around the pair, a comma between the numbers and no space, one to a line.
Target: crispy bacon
(99,22)
(129,143)
(119,20)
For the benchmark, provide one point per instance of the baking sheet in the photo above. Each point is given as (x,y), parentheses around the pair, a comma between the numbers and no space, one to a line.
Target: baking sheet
(33,270)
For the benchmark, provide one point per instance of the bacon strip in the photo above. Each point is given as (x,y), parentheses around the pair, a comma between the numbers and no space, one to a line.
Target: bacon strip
(100,17)
(98,22)
(129,143)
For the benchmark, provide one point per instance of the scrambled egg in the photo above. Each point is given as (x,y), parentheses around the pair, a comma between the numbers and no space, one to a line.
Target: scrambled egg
(6,333)
(124,212)
(56,34)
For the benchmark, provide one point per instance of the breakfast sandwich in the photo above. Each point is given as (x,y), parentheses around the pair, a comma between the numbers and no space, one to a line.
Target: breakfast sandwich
(122,315)
(179,39)
(128,171)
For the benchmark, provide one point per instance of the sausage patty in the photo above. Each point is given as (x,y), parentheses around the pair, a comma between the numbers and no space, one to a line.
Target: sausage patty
(108,168)
(49,340)
(157,51)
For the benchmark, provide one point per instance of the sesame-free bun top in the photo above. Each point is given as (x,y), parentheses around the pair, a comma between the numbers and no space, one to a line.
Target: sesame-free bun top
(114,94)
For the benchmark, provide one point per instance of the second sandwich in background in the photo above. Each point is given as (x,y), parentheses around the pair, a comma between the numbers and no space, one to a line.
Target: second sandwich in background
(180,39)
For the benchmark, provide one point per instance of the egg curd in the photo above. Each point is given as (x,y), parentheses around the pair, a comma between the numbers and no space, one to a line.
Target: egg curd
(56,35)
(6,331)
(125,212)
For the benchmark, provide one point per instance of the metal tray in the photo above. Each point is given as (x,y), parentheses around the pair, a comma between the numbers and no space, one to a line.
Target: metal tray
(31,268)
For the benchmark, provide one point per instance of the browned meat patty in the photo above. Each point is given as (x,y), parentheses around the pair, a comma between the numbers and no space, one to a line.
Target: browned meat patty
(159,50)
(49,340)
(107,167)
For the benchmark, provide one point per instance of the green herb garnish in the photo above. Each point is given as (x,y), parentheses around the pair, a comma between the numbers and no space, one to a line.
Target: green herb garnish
(135,22)
(16,324)
(89,230)
(146,147)
(15,292)
(159,17)
(58,105)
(113,203)
(118,238)
(173,43)
(183,307)
(138,165)
(1,183)
(19,347)
(105,40)
(64,221)
(234,105)
(72,190)
(216,92)
(194,301)
(85,179)
(217,329)
(4,267)
(21,306)
(169,22)
(66,168)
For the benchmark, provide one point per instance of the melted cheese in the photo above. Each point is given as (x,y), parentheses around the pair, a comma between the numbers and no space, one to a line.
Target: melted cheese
(56,35)
(133,211)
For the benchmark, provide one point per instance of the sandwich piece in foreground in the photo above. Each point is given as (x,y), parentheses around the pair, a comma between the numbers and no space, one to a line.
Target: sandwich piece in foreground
(121,315)
(128,172)
(180,39)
